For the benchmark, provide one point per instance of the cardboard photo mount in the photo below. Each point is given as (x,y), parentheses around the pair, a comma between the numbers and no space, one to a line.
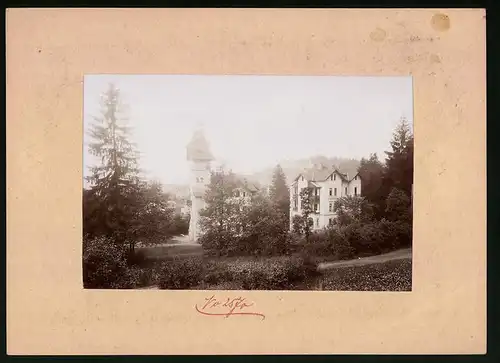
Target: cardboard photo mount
(50,50)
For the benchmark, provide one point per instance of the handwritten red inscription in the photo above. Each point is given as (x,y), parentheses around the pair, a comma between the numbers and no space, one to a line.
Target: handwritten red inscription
(227,307)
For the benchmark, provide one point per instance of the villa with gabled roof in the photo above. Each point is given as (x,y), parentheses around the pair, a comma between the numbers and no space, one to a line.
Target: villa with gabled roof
(327,184)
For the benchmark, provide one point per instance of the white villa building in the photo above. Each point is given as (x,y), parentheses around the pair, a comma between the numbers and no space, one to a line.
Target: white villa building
(328,185)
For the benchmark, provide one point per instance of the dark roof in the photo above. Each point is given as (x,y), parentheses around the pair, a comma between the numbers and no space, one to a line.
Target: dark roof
(198,148)
(321,173)
(247,183)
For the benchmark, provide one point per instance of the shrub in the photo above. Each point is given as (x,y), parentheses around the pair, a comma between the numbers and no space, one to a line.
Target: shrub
(215,243)
(137,258)
(389,276)
(180,273)
(215,273)
(271,274)
(104,264)
(331,243)
(140,277)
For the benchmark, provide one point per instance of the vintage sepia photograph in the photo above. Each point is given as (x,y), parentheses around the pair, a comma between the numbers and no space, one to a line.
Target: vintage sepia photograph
(247,182)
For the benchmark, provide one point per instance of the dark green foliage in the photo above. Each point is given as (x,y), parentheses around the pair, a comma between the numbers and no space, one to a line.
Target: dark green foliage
(352,209)
(181,274)
(234,227)
(305,196)
(107,265)
(180,225)
(271,274)
(113,181)
(398,206)
(399,161)
(274,273)
(372,173)
(221,214)
(104,265)
(298,224)
(118,204)
(389,276)
(280,195)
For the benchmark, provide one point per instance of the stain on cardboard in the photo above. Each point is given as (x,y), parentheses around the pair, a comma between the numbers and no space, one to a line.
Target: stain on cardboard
(440,22)
(378,35)
(435,58)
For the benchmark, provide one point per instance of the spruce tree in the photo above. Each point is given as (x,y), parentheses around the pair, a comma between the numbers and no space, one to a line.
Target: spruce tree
(114,181)
(399,161)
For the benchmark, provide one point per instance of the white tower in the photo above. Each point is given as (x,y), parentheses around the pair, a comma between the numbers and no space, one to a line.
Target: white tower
(199,158)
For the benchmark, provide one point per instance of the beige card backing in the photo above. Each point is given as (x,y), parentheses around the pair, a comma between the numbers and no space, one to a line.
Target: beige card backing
(50,50)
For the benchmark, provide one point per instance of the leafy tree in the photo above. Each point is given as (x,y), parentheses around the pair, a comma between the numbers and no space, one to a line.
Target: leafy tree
(280,194)
(152,220)
(220,218)
(398,206)
(352,209)
(307,209)
(298,224)
(372,173)
(264,227)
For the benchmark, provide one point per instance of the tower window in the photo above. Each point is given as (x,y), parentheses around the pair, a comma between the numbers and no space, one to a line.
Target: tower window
(330,192)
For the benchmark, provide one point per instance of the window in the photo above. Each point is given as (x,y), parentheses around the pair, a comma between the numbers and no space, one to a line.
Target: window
(244,194)
(201,179)
(237,193)
(334,176)
(335,191)
(330,192)
(315,207)
(330,207)
(356,177)
(317,222)
(346,191)
(355,191)
(330,221)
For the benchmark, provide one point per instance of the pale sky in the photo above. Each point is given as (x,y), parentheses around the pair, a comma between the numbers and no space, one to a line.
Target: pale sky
(253,122)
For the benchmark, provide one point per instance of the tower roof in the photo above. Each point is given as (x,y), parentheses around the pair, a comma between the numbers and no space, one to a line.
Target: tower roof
(198,148)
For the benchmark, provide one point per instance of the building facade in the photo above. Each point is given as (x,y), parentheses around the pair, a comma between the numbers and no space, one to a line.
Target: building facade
(200,159)
(327,184)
